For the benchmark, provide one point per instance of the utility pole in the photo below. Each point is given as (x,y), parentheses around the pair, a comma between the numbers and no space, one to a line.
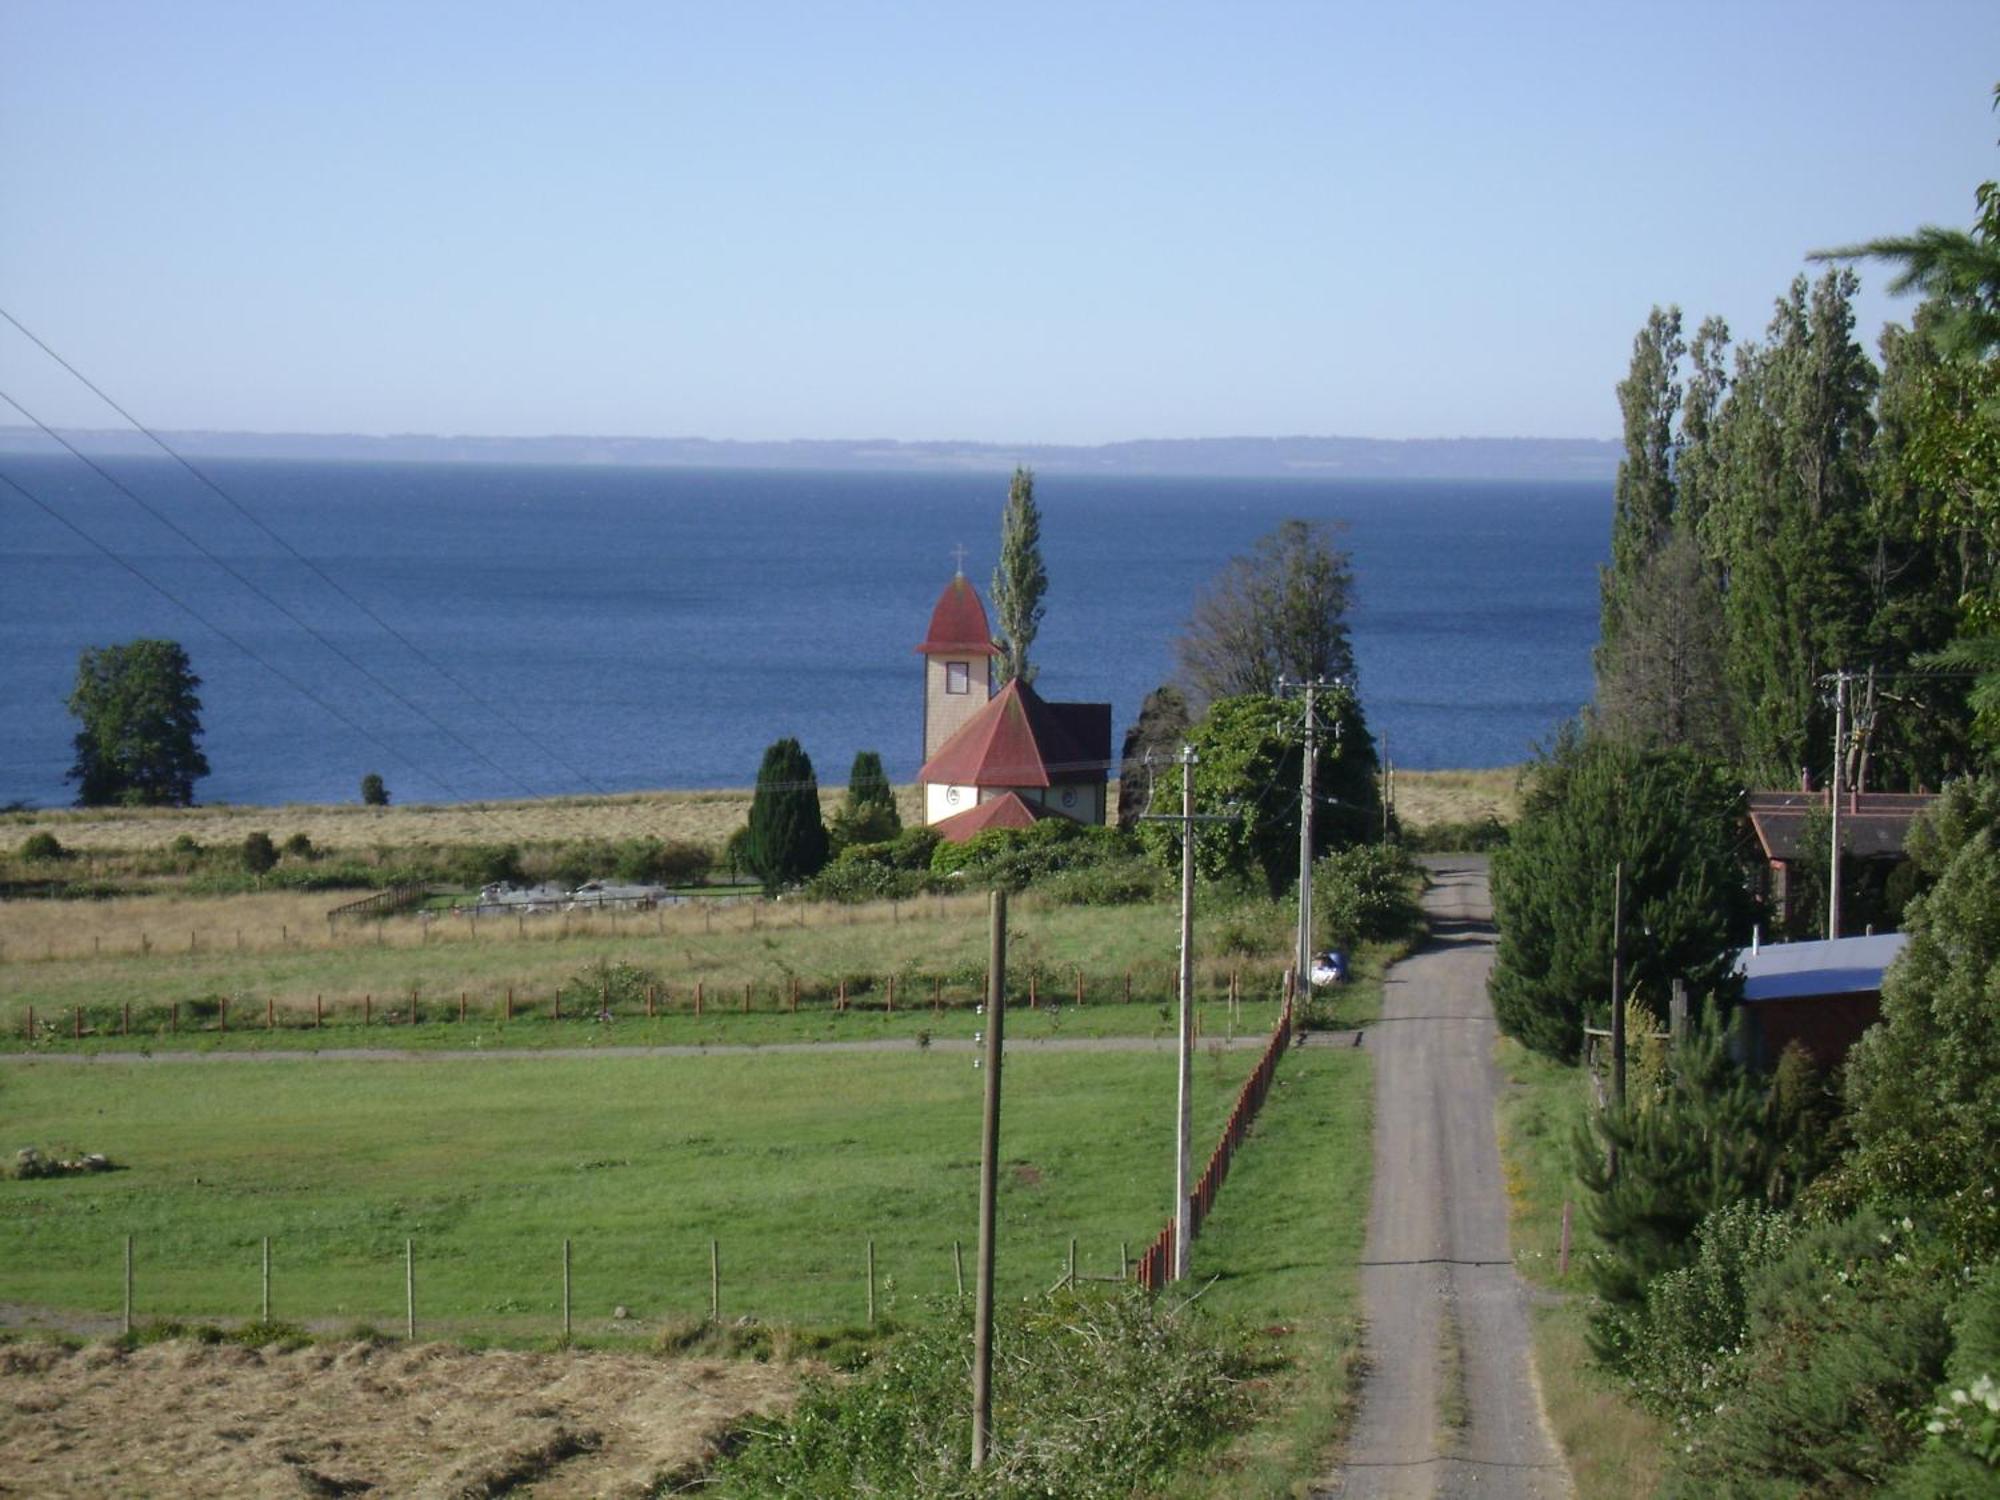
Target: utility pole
(1308,802)
(1840,680)
(1184,1115)
(989,1169)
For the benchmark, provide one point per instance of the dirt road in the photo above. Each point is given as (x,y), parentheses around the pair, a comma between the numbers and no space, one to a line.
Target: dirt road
(1450,1407)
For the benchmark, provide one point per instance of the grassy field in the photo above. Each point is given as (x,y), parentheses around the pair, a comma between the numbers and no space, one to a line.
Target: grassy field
(1614,1448)
(793,1162)
(105,956)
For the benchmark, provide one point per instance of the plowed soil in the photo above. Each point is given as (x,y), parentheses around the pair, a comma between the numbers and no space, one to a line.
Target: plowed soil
(188,1419)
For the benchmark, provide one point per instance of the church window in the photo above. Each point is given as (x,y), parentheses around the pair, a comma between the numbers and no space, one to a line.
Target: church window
(958,677)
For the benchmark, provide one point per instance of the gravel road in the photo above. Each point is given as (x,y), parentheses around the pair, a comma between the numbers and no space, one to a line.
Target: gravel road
(1450,1406)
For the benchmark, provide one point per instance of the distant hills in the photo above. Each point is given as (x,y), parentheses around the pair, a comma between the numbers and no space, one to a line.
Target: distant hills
(1246,457)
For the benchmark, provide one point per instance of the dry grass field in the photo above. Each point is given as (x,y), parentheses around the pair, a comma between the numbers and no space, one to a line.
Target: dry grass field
(1427,798)
(184,1418)
(706,818)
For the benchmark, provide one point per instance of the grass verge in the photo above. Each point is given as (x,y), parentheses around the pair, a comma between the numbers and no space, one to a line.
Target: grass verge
(1615,1449)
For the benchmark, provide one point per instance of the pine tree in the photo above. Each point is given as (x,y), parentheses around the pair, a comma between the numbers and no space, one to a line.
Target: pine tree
(1020,580)
(1676,823)
(785,841)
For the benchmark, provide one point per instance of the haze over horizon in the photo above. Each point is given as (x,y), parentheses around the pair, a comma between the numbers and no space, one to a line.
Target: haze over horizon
(1050,226)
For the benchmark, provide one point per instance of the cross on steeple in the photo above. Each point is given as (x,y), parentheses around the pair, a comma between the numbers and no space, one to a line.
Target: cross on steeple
(958,552)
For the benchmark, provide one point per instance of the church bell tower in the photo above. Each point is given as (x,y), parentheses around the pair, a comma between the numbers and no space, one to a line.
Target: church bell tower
(958,653)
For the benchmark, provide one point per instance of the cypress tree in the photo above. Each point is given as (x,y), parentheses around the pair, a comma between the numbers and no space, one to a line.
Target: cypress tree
(785,840)
(1020,580)
(869,814)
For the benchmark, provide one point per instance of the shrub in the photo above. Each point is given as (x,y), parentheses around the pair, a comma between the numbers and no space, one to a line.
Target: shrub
(373,792)
(1478,836)
(185,843)
(649,860)
(298,846)
(605,985)
(259,853)
(1365,892)
(1107,1396)
(1111,882)
(856,880)
(484,864)
(42,846)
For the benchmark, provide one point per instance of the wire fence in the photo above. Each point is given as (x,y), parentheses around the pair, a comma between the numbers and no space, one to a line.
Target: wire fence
(610,994)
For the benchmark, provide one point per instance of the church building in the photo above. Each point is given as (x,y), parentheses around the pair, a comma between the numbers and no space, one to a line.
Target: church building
(1005,759)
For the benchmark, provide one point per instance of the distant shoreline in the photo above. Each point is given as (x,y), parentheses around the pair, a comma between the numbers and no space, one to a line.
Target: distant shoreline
(1589,460)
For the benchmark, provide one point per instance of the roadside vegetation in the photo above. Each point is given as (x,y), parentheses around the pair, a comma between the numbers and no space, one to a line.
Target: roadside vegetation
(1786,1276)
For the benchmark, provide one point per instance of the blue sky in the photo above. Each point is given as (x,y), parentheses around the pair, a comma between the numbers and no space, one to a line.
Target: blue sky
(1061,223)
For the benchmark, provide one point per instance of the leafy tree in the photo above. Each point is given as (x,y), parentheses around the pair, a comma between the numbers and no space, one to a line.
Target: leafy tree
(140,741)
(1020,580)
(868,815)
(1280,612)
(1643,499)
(785,840)
(373,791)
(1159,731)
(1250,753)
(1677,823)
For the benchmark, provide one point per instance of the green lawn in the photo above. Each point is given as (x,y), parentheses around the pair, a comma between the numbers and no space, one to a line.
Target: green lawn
(791,1161)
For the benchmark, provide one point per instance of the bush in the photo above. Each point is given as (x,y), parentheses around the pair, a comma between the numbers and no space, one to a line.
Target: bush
(484,864)
(1106,1396)
(850,881)
(605,985)
(298,846)
(651,861)
(373,792)
(259,853)
(1111,882)
(1014,859)
(1478,836)
(1366,892)
(42,846)
(185,844)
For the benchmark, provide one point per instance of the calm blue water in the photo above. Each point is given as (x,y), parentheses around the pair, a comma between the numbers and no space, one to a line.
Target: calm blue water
(659,627)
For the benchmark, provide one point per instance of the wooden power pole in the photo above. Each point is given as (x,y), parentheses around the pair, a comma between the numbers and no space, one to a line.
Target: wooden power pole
(989,1169)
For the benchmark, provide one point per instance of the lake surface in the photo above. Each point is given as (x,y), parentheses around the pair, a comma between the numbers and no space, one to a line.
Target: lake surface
(624,628)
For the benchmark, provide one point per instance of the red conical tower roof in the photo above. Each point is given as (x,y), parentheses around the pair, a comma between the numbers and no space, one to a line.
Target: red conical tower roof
(958,624)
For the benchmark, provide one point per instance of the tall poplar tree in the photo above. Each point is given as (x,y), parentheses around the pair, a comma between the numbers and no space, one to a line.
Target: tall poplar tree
(1020,580)
(1643,514)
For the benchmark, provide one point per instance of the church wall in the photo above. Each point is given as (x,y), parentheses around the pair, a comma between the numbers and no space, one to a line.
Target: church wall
(938,802)
(946,712)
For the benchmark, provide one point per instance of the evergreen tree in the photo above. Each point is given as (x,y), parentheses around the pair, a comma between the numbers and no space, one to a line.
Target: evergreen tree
(140,740)
(785,840)
(1676,821)
(1159,732)
(868,815)
(374,791)
(1019,580)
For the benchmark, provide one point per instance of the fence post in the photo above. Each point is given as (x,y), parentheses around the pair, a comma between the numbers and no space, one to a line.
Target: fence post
(173,1016)
(222,1012)
(555,1006)
(31,1022)
(795,994)
(1563,1268)
(367,1010)
(1070,1275)
(1124,1261)
(871,1283)
(565,1291)
(697,997)
(270,1013)
(746,997)
(128,1286)
(76,1022)
(125,1020)
(510,1004)
(958,1267)
(267,1279)
(1079,984)
(410,1290)
(651,997)
(461,1005)
(714,1281)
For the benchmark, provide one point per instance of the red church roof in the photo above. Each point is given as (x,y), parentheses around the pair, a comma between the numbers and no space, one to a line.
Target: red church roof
(958,624)
(1006,811)
(1019,740)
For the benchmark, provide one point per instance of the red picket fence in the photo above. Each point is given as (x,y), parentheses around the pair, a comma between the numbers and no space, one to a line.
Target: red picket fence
(1156,1263)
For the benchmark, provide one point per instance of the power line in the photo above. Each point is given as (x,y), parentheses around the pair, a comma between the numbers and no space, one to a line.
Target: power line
(282,609)
(189,609)
(318,572)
